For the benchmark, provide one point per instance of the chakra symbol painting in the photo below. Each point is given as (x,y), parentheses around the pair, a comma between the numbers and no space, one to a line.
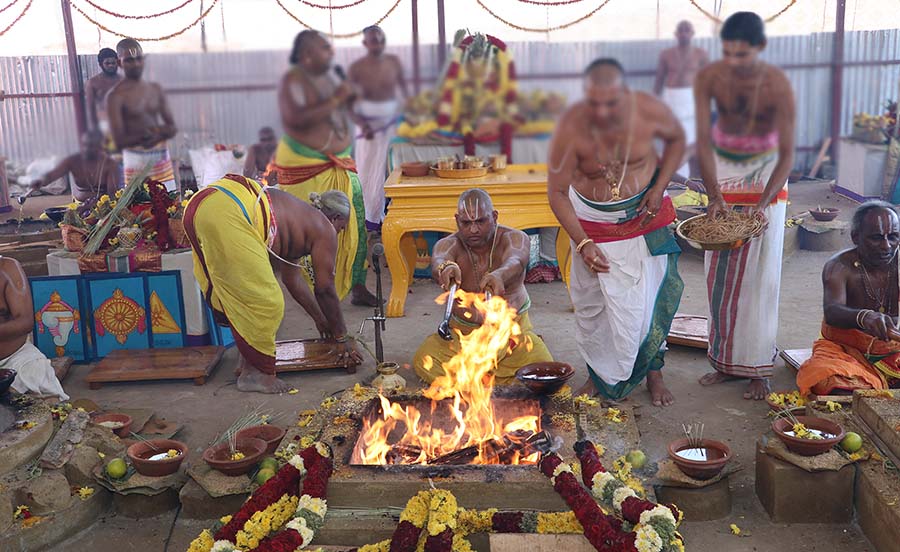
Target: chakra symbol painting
(119,316)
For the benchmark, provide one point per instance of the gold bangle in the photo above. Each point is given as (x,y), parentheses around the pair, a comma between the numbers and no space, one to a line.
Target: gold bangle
(581,244)
(441,267)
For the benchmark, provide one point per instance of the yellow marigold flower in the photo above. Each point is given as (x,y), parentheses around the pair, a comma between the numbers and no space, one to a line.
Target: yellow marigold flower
(735,530)
(203,543)
(614,415)
(558,523)
(85,493)
(292,391)
(328,402)
(303,422)
(416,511)
(237,455)
(832,406)
(225,519)
(101,455)
(585,400)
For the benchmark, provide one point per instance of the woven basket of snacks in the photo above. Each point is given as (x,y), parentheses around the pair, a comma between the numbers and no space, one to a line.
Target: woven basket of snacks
(73,237)
(129,237)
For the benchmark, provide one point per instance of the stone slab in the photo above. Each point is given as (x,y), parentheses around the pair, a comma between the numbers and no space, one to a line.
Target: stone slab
(882,415)
(139,506)
(701,504)
(511,542)
(196,503)
(878,506)
(58,527)
(45,494)
(22,446)
(79,469)
(792,495)
(216,484)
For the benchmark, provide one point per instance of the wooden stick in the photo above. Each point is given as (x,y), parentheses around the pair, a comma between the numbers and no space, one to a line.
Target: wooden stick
(820,158)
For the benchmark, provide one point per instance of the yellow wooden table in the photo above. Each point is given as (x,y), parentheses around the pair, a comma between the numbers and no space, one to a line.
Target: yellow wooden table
(429,203)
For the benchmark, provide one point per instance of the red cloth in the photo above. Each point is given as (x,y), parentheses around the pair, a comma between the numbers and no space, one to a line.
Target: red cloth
(604,232)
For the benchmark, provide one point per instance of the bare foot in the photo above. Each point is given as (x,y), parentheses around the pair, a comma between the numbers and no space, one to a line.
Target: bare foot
(254,380)
(588,389)
(658,391)
(713,378)
(757,390)
(362,297)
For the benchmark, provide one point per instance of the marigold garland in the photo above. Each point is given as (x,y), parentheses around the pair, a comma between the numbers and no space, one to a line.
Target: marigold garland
(149,16)
(346,35)
(546,29)
(147,39)
(16,20)
(767,20)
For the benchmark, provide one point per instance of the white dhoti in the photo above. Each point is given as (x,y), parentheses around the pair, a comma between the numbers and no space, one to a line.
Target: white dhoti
(681,102)
(162,170)
(34,373)
(371,155)
(624,316)
(743,284)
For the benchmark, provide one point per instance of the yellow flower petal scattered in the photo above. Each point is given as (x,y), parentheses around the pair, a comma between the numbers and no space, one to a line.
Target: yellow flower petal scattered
(832,406)
(585,400)
(292,391)
(735,530)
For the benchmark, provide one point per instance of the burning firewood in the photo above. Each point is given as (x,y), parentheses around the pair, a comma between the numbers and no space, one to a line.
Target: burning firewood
(403,454)
(457,457)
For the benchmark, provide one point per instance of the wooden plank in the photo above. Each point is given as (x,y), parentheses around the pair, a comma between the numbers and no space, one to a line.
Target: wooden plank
(795,357)
(820,158)
(689,331)
(194,363)
(301,355)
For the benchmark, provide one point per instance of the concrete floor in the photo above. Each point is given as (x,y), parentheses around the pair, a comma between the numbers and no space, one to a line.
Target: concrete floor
(207,410)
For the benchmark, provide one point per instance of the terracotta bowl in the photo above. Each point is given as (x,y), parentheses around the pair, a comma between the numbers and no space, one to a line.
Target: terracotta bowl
(414,168)
(808,447)
(544,378)
(826,214)
(7,377)
(272,435)
(217,456)
(717,453)
(125,419)
(139,452)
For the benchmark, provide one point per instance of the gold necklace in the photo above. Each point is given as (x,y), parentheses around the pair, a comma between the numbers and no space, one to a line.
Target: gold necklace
(475,263)
(615,165)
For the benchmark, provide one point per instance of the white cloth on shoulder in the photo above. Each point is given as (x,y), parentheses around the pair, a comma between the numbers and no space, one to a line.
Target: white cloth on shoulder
(34,372)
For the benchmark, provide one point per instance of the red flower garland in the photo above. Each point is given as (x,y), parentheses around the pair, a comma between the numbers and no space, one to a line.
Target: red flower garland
(442,542)
(507,522)
(285,481)
(603,532)
(632,507)
(315,484)
(405,537)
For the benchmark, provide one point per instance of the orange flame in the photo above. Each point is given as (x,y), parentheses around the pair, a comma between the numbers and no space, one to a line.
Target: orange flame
(462,414)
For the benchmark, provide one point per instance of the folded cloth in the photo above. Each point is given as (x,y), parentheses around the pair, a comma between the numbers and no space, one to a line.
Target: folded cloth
(34,372)
(135,159)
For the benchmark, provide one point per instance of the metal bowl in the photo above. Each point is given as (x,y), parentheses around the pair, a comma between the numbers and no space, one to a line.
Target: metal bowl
(719,246)
(56,214)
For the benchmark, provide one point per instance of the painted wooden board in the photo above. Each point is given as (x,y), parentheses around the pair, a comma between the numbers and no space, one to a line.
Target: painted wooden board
(308,354)
(194,363)
(795,357)
(60,317)
(689,330)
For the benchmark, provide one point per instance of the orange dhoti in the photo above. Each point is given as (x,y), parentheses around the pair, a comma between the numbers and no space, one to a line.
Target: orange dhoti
(847,359)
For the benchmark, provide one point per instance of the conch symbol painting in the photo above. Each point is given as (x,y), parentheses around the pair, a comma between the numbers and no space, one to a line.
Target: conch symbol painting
(119,315)
(60,319)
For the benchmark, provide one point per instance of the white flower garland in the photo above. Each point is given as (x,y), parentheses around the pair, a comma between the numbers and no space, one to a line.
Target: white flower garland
(314,505)
(658,511)
(298,524)
(599,483)
(297,462)
(222,546)
(619,497)
(561,468)
(647,539)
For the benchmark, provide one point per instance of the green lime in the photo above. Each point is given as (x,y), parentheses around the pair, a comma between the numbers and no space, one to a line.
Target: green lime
(852,442)
(264,475)
(116,468)
(637,459)
(269,462)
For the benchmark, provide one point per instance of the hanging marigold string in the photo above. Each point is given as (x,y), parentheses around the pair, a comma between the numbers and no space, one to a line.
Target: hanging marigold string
(347,35)
(547,29)
(11,4)
(326,7)
(148,16)
(16,20)
(720,21)
(147,39)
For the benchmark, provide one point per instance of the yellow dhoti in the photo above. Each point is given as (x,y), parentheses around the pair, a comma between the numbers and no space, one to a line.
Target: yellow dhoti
(441,351)
(302,170)
(228,225)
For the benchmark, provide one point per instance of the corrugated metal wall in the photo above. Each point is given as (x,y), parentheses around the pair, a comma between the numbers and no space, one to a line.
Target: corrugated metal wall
(32,127)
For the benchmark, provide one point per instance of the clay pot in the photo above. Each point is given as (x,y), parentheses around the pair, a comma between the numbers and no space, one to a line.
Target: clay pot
(7,377)
(388,379)
(826,214)
(543,378)
(414,168)
(218,456)
(124,419)
(139,453)
(717,455)
(808,447)
(272,435)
